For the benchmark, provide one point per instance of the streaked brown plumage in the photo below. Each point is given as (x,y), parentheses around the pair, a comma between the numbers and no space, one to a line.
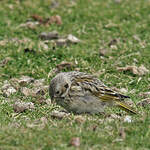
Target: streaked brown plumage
(83,93)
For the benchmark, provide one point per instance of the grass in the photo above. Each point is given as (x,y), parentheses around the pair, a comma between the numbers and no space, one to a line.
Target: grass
(96,23)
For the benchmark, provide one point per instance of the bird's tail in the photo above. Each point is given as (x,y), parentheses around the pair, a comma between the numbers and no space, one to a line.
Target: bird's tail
(125,107)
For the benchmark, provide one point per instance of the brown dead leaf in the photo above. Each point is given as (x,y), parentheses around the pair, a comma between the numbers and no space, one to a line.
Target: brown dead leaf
(134,69)
(55,19)
(65,65)
(75,141)
(19,106)
(37,18)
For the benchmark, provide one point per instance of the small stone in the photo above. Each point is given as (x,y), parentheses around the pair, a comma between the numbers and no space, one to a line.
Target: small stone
(112,42)
(29,24)
(128,119)
(49,36)
(123,90)
(40,100)
(43,46)
(114,116)
(144,102)
(59,115)
(72,39)
(48,101)
(114,47)
(65,65)
(55,19)
(144,94)
(24,80)
(26,91)
(79,119)
(19,106)
(38,91)
(135,70)
(39,83)
(61,42)
(103,52)
(8,89)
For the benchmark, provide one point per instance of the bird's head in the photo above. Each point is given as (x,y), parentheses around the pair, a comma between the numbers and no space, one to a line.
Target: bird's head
(59,86)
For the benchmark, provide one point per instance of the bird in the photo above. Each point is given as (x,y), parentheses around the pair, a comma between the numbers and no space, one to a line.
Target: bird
(80,92)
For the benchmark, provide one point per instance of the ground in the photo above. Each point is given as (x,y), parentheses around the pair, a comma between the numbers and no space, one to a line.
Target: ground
(112,34)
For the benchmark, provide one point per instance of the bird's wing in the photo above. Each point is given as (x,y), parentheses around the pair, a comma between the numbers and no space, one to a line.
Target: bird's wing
(98,89)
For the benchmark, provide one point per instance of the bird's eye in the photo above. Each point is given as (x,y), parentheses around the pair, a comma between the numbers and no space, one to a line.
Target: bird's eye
(66,86)
(57,92)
